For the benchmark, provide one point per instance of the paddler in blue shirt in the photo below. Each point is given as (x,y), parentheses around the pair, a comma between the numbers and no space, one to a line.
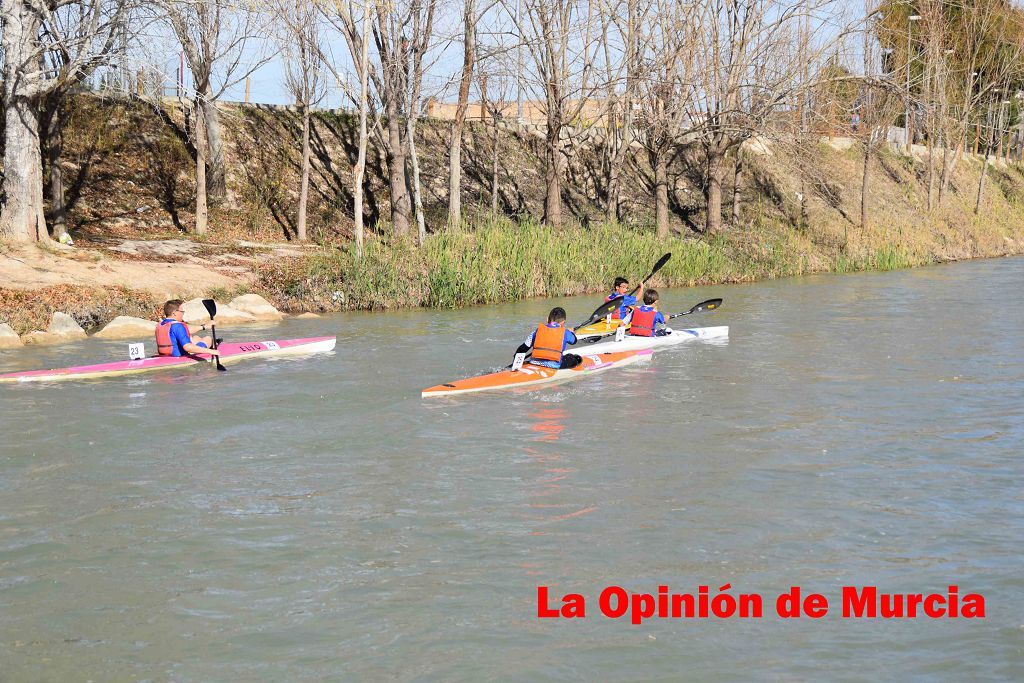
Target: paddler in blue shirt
(549,342)
(647,317)
(619,291)
(173,336)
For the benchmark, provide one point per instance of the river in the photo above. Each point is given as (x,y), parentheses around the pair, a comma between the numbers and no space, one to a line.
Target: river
(315,519)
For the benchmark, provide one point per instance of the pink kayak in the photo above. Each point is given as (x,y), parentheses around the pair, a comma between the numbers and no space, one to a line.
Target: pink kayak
(228,352)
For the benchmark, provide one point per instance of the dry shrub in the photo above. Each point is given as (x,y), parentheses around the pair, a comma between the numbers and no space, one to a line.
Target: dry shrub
(91,307)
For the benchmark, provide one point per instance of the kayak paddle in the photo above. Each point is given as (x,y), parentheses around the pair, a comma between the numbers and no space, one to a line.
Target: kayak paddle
(603,309)
(709,305)
(211,308)
(657,266)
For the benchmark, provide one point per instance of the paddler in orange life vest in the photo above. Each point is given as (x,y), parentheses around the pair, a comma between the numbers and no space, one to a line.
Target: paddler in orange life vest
(174,337)
(646,318)
(549,341)
(619,291)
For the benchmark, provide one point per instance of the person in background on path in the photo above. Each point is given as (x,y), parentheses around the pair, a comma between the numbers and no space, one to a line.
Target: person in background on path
(173,336)
(549,342)
(619,291)
(646,318)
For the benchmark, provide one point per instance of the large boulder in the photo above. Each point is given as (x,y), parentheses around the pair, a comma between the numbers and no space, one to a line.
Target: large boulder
(127,327)
(64,325)
(8,337)
(195,312)
(257,306)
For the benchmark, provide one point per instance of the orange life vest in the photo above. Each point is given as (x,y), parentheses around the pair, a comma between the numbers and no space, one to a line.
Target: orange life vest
(548,342)
(642,324)
(164,346)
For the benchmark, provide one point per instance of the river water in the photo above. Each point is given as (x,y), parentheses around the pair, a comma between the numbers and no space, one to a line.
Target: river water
(315,519)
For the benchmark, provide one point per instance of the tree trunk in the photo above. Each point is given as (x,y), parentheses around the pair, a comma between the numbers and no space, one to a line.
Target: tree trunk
(611,209)
(201,205)
(455,145)
(52,131)
(981,182)
(410,134)
(494,169)
(737,185)
(713,221)
(217,186)
(949,157)
(864,190)
(304,183)
(553,174)
(401,208)
(22,215)
(360,170)
(661,191)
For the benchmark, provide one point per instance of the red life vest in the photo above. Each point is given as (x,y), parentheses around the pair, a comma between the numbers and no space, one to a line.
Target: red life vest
(548,341)
(642,324)
(164,346)
(617,312)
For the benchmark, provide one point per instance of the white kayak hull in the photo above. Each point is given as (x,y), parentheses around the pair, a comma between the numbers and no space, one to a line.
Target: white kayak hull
(631,343)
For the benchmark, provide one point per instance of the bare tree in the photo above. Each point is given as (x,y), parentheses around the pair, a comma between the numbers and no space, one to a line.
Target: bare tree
(396,77)
(622,63)
(217,38)
(874,111)
(753,65)
(47,45)
(469,19)
(559,36)
(665,89)
(303,77)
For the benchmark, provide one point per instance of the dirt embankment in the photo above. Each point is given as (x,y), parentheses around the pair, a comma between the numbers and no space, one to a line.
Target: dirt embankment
(129,169)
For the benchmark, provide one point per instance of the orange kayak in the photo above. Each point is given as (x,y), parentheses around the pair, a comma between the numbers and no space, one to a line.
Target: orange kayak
(530,375)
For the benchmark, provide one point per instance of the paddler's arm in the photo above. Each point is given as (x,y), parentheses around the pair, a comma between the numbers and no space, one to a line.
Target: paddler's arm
(526,345)
(196,348)
(570,337)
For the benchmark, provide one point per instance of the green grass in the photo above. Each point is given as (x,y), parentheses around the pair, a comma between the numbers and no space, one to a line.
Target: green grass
(494,262)
(498,260)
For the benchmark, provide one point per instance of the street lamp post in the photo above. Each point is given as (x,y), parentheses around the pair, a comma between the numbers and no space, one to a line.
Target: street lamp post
(910,129)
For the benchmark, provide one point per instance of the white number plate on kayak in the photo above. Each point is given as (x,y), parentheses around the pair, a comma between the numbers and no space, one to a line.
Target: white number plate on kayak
(272,345)
(608,319)
(518,361)
(136,351)
(620,333)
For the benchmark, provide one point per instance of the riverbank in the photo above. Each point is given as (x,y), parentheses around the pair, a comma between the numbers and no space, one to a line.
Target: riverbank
(502,261)
(798,213)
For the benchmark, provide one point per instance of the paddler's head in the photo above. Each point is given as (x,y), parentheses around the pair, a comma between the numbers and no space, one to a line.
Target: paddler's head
(556,316)
(172,307)
(621,285)
(651,298)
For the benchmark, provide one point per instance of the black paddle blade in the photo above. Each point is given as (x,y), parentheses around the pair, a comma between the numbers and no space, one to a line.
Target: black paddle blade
(661,262)
(601,311)
(709,305)
(211,307)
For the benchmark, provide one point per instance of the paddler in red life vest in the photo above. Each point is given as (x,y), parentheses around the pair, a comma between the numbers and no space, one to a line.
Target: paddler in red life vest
(174,337)
(619,291)
(549,341)
(646,318)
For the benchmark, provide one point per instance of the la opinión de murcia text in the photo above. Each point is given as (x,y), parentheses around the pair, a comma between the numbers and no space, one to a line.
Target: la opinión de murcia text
(857,602)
